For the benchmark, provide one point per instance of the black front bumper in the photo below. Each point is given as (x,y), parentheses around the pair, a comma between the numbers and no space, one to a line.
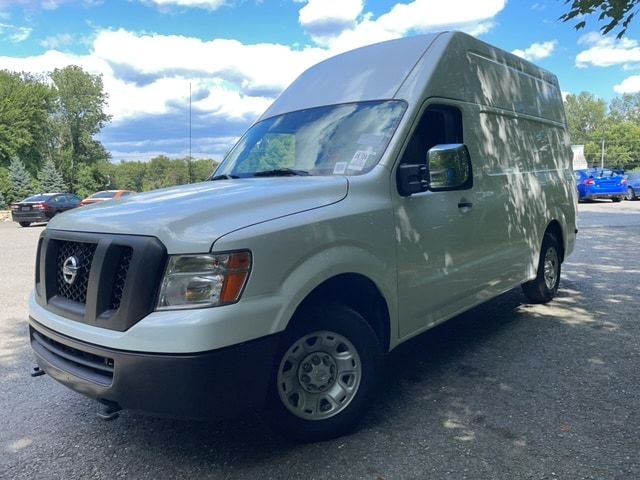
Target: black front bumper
(207,385)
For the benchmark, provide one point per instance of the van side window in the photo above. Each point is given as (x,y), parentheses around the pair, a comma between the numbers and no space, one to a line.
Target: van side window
(439,124)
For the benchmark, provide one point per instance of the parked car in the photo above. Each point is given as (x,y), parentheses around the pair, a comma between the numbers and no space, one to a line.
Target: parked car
(42,207)
(633,185)
(104,196)
(600,183)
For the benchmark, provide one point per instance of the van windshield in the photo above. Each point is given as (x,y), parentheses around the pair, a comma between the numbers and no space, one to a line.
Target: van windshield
(344,139)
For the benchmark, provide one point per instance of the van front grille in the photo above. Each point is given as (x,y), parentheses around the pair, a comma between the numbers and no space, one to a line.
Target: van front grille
(76,289)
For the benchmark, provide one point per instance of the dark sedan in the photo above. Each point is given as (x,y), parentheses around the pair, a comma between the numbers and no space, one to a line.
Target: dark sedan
(41,208)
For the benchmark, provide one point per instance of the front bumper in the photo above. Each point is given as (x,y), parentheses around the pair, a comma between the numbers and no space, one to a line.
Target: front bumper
(205,385)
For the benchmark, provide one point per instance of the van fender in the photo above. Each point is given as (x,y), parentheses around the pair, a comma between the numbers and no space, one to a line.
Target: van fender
(316,269)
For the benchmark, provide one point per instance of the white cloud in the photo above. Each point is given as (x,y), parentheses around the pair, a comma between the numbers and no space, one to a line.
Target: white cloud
(58,41)
(628,85)
(417,16)
(150,74)
(20,34)
(33,5)
(607,51)
(257,67)
(324,19)
(206,4)
(147,75)
(14,33)
(537,51)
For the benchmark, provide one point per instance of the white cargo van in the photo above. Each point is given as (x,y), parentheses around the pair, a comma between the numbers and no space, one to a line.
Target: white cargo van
(386,190)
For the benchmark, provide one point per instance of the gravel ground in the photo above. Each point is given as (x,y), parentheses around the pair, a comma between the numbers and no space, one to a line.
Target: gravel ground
(507,390)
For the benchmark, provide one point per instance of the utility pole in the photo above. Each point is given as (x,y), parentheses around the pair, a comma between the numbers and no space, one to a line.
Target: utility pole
(189,170)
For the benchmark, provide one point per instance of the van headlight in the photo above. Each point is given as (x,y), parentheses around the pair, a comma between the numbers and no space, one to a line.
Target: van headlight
(206,280)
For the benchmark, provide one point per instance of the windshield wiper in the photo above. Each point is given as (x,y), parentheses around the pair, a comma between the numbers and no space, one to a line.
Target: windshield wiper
(281,172)
(224,176)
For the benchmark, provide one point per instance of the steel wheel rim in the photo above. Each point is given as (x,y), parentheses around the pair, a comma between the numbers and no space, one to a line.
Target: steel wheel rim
(551,268)
(319,375)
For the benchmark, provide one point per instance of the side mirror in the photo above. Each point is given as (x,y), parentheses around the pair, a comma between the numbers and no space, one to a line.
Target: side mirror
(449,167)
(412,179)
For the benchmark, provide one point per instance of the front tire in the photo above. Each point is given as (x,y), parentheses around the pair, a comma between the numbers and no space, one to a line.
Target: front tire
(24,224)
(617,199)
(631,194)
(325,373)
(545,286)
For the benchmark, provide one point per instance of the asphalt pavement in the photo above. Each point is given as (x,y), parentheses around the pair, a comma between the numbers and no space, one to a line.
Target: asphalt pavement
(504,391)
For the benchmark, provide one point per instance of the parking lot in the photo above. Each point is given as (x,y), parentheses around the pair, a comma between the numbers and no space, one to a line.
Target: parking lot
(505,391)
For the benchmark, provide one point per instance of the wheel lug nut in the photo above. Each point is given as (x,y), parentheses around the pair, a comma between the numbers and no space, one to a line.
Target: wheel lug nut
(316,360)
(306,379)
(307,367)
(325,360)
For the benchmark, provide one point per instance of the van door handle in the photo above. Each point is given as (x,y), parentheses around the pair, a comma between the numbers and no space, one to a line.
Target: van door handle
(463,204)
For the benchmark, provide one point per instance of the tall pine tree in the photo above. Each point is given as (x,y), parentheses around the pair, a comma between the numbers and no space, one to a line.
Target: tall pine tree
(3,204)
(50,179)
(21,182)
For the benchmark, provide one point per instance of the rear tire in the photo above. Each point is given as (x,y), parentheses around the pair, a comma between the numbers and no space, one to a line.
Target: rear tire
(631,194)
(545,286)
(325,374)
(24,224)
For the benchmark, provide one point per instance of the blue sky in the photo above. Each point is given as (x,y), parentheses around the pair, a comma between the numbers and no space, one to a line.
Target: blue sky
(237,55)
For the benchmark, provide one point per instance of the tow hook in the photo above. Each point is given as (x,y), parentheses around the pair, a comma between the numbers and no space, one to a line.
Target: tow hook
(108,410)
(36,372)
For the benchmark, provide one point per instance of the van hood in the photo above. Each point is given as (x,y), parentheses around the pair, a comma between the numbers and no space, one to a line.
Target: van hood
(190,218)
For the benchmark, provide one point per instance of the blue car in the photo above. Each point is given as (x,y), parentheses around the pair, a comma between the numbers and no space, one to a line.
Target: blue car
(633,185)
(600,183)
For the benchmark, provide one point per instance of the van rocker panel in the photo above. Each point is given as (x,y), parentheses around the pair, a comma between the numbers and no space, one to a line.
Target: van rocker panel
(216,384)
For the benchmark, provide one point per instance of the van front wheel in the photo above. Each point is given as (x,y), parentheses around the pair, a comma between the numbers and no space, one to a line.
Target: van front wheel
(545,286)
(325,374)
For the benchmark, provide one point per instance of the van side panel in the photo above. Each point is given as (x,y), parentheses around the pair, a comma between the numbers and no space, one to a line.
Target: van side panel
(515,130)
(461,67)
(526,160)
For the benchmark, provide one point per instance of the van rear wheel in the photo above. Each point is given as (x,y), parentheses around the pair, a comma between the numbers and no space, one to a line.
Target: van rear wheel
(325,374)
(545,286)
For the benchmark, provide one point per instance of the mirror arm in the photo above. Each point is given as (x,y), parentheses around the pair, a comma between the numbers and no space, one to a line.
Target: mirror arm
(412,179)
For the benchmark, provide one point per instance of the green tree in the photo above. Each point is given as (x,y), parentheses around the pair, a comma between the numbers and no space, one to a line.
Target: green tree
(50,179)
(5,183)
(92,179)
(26,103)
(587,121)
(203,168)
(625,108)
(161,171)
(622,145)
(21,181)
(615,13)
(80,115)
(3,204)
(130,175)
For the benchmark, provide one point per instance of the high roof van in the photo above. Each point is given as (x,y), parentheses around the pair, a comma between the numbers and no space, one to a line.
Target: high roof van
(385,191)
